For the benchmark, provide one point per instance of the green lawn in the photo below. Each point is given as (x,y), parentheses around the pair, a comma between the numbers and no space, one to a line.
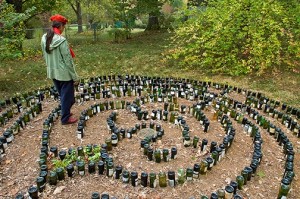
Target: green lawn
(141,55)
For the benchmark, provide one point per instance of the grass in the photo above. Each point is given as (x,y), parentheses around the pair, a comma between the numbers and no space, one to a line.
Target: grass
(141,55)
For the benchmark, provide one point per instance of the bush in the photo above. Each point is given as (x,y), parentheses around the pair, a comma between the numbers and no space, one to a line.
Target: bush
(238,36)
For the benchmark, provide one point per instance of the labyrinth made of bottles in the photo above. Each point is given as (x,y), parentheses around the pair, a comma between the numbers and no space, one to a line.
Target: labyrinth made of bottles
(205,119)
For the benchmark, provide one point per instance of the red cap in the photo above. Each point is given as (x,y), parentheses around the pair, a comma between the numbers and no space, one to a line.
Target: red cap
(59,18)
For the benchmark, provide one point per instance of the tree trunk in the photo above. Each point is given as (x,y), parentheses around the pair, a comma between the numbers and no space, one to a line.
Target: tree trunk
(153,23)
(79,17)
(18,5)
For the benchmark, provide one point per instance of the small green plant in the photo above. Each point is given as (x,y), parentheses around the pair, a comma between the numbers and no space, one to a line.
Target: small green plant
(261,174)
(70,158)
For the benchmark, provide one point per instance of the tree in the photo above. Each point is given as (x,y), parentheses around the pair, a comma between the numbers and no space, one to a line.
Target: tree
(152,7)
(11,30)
(41,6)
(238,36)
(76,6)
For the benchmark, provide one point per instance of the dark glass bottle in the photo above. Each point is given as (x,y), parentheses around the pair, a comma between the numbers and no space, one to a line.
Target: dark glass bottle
(173,152)
(144,179)
(60,173)
(134,178)
(95,195)
(91,167)
(204,145)
(100,167)
(171,178)
(234,184)
(150,154)
(53,178)
(70,170)
(210,163)
(40,184)
(196,171)
(109,169)
(33,192)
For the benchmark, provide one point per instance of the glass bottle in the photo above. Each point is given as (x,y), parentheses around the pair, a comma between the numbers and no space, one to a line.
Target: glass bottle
(153,180)
(125,177)
(144,179)
(173,153)
(162,178)
(118,172)
(171,178)
(204,145)
(283,191)
(40,184)
(240,180)
(181,176)
(134,178)
(196,171)
(195,141)
(91,167)
(60,173)
(189,174)
(157,156)
(53,178)
(109,169)
(70,170)
(221,194)
(33,192)
(229,191)
(81,168)
(95,195)
(150,154)
(203,167)
(165,155)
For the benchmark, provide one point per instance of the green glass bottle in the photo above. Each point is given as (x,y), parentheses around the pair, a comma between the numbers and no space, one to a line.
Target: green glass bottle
(240,180)
(181,176)
(195,141)
(203,167)
(283,191)
(81,168)
(166,155)
(53,178)
(189,174)
(60,173)
(162,178)
(157,156)
(153,180)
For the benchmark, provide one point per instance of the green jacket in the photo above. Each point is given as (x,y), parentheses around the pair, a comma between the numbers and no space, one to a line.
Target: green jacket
(60,65)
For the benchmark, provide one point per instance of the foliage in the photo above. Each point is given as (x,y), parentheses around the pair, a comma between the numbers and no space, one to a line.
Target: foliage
(91,154)
(11,31)
(238,36)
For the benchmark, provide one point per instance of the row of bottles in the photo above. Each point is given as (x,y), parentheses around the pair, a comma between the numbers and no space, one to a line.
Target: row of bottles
(9,134)
(164,84)
(279,137)
(242,122)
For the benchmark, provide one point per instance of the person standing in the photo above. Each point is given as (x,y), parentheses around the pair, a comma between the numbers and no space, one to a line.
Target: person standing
(60,66)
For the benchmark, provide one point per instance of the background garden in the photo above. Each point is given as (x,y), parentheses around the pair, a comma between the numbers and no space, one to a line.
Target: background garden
(254,45)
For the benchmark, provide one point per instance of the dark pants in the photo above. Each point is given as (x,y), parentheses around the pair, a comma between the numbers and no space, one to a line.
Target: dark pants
(66,91)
